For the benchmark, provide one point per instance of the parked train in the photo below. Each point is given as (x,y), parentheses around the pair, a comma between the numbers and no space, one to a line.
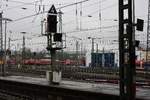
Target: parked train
(80,62)
(47,62)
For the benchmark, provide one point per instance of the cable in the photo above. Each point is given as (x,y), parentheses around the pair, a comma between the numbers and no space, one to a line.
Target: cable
(72,21)
(31,3)
(27,37)
(22,4)
(30,27)
(93,4)
(29,16)
(95,12)
(106,27)
(70,11)
(47,11)
(108,7)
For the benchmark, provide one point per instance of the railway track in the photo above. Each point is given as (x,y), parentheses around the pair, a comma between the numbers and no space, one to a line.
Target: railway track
(78,73)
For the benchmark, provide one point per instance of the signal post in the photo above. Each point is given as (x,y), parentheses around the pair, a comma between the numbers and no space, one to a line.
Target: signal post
(54,40)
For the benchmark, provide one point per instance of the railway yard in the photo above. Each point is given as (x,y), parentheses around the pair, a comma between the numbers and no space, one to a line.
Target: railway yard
(74,49)
(110,75)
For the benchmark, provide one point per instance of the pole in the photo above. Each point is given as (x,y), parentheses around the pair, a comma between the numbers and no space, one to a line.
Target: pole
(80,16)
(103,58)
(1,31)
(81,49)
(76,16)
(92,45)
(1,40)
(42,22)
(5,35)
(23,49)
(126,51)
(148,33)
(9,42)
(77,45)
(96,47)
(53,57)
(60,21)
(5,62)
(5,39)
(4,59)
(60,31)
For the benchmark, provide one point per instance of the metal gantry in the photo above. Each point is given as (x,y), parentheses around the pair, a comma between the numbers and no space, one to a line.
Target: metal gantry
(126,51)
(148,34)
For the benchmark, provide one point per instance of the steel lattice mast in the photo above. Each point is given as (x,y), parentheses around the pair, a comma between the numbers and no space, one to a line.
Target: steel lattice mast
(148,33)
(126,51)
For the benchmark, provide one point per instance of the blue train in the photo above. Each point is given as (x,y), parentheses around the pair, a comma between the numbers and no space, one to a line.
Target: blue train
(102,59)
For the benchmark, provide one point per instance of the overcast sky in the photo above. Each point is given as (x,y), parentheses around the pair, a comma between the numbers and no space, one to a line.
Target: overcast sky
(18,9)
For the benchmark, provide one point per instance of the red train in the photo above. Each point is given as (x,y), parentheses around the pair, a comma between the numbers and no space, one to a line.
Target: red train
(37,61)
(47,62)
(139,64)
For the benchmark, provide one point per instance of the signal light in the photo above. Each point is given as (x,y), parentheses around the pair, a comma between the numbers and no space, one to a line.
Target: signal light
(137,42)
(52,23)
(58,37)
(52,20)
(140,24)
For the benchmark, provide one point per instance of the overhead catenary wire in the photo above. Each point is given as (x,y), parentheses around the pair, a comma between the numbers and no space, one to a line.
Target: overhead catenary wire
(35,26)
(83,7)
(22,4)
(102,9)
(82,16)
(29,16)
(34,36)
(96,28)
(26,17)
(28,3)
(105,8)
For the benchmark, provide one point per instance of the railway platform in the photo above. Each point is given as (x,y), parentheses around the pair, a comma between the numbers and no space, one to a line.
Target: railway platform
(40,89)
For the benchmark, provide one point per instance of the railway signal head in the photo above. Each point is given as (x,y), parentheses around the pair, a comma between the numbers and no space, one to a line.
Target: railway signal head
(137,42)
(58,37)
(140,24)
(52,20)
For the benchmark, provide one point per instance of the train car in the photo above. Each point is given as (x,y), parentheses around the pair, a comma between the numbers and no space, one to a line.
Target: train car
(139,64)
(11,62)
(100,59)
(146,65)
(37,61)
(44,61)
(31,61)
(96,59)
(109,59)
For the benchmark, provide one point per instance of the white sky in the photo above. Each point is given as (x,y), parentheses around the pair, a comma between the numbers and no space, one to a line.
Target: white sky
(109,11)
